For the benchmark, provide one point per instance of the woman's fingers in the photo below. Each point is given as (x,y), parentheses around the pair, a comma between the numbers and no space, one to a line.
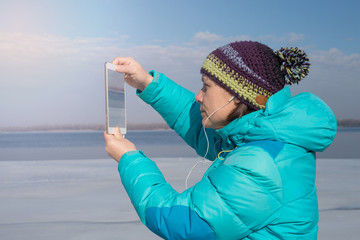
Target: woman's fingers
(135,74)
(117,135)
(122,61)
(124,69)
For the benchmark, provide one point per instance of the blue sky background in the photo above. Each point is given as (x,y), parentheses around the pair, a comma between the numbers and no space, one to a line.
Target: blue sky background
(52,53)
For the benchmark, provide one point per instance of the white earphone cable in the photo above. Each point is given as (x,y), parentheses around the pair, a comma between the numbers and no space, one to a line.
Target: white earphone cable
(203,160)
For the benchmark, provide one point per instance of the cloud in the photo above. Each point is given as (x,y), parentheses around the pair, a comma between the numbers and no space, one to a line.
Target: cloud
(210,38)
(289,38)
(55,79)
(33,51)
(31,47)
(46,78)
(214,40)
(334,57)
(350,39)
(334,77)
(52,79)
(295,37)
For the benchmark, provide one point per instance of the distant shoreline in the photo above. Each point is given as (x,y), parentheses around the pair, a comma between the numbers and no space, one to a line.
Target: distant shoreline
(346,123)
(82,128)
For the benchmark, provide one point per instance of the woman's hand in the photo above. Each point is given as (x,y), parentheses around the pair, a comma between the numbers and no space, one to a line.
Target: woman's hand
(135,74)
(116,145)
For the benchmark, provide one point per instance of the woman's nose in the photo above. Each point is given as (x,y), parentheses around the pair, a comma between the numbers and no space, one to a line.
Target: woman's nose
(199,97)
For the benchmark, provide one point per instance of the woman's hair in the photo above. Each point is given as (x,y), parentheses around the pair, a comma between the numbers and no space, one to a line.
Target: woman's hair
(241,110)
(252,72)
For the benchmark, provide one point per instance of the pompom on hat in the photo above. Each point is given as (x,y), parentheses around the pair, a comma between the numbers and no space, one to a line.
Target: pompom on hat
(252,71)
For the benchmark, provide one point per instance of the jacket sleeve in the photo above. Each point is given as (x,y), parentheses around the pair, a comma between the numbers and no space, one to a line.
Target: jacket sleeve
(163,210)
(179,109)
(230,202)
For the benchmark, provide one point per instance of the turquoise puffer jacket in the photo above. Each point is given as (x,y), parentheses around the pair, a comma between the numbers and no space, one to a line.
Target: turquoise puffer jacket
(263,189)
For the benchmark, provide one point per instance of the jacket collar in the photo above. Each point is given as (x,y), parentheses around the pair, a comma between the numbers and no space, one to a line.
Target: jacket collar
(303,120)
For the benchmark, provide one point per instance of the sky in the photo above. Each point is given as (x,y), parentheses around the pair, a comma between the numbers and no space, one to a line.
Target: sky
(52,53)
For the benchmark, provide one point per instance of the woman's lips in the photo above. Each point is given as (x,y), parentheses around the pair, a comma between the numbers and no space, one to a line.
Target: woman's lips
(203,112)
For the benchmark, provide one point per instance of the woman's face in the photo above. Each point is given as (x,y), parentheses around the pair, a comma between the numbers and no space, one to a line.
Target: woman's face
(211,97)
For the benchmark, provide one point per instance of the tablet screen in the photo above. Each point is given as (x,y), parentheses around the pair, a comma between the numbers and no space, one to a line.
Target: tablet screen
(116,111)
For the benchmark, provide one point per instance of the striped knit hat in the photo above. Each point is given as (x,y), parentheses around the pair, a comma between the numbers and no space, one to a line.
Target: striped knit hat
(252,71)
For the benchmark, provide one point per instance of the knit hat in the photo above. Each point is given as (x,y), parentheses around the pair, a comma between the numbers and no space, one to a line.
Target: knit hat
(252,71)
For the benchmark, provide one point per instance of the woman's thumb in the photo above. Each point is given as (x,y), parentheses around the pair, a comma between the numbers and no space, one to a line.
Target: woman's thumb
(117,133)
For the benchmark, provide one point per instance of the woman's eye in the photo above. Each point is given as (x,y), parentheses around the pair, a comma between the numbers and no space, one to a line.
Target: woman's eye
(204,88)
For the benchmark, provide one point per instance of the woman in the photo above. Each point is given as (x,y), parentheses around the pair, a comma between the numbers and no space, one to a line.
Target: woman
(262,182)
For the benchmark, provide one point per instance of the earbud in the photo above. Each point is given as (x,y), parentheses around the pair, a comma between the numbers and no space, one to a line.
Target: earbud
(231,98)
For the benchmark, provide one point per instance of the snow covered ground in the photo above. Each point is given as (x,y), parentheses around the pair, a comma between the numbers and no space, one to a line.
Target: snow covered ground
(84,199)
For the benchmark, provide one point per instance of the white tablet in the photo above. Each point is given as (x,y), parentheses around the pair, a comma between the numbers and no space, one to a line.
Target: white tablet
(115,99)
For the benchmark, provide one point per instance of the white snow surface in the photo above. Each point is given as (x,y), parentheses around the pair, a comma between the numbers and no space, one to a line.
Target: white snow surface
(84,199)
